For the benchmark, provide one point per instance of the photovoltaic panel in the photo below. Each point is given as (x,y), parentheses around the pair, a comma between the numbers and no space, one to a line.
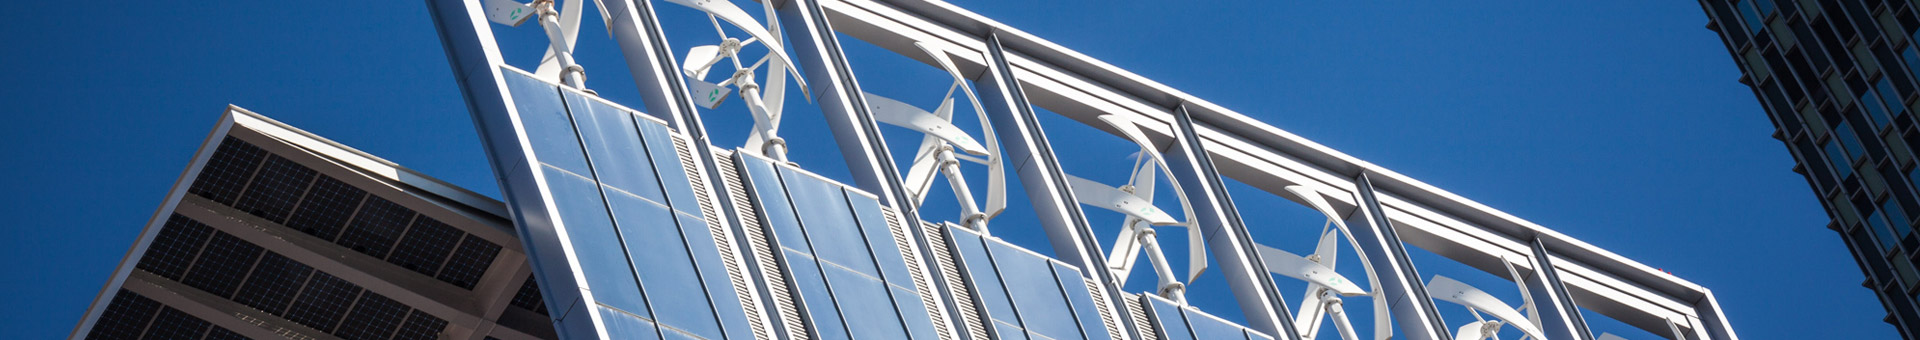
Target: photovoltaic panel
(469,262)
(323,302)
(375,228)
(273,283)
(425,246)
(529,297)
(125,318)
(275,189)
(227,171)
(420,326)
(373,317)
(173,324)
(326,208)
(221,266)
(174,248)
(218,333)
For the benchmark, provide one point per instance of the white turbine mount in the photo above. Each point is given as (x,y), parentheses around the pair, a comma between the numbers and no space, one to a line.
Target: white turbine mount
(1137,234)
(766,103)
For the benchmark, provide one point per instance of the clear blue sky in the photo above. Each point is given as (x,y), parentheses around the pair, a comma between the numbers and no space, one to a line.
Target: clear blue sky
(1619,123)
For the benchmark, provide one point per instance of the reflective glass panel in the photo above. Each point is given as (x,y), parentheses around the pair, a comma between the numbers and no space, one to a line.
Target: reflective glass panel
(893,267)
(1029,281)
(660,260)
(1208,327)
(713,275)
(982,275)
(619,160)
(666,162)
(1167,318)
(544,118)
(771,197)
(829,223)
(864,301)
(1838,159)
(1081,300)
(597,248)
(818,302)
(626,326)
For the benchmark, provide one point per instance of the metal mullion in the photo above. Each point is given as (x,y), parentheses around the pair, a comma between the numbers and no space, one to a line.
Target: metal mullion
(1414,311)
(1240,262)
(606,206)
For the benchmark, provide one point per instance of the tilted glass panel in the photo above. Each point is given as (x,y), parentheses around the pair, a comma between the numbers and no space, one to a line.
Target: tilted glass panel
(1030,283)
(326,208)
(865,303)
(1081,300)
(227,171)
(828,222)
(373,317)
(374,230)
(823,318)
(425,246)
(913,310)
(771,197)
(613,144)
(1209,327)
(621,325)
(893,266)
(548,130)
(273,283)
(323,302)
(595,245)
(469,262)
(981,274)
(666,162)
(1167,318)
(713,274)
(660,258)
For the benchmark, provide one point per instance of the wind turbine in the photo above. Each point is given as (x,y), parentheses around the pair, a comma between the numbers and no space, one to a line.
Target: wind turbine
(1137,233)
(1479,302)
(563,29)
(1324,291)
(765,104)
(937,148)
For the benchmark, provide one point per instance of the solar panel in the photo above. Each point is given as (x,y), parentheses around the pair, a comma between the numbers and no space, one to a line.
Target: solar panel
(227,171)
(275,189)
(469,262)
(218,333)
(425,246)
(376,227)
(174,248)
(124,318)
(225,261)
(420,326)
(529,297)
(273,283)
(173,324)
(326,208)
(323,302)
(373,317)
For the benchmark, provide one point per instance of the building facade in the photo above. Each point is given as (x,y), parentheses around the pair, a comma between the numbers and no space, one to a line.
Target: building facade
(631,223)
(1837,78)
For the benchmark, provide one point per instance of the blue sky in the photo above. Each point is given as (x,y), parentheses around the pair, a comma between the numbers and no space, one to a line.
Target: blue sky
(1619,123)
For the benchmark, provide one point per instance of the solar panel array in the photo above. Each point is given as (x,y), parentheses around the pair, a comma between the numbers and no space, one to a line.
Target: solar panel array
(226,266)
(131,316)
(278,189)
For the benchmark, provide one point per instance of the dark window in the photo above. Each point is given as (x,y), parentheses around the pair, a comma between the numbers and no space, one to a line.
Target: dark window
(227,171)
(1881,232)
(469,262)
(1896,217)
(425,246)
(1876,114)
(1850,141)
(275,189)
(174,248)
(326,208)
(124,318)
(1751,16)
(273,283)
(374,230)
(1889,96)
(1841,167)
(222,265)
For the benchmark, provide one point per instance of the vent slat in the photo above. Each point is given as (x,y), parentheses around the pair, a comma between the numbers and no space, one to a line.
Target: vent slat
(762,251)
(969,314)
(722,238)
(928,297)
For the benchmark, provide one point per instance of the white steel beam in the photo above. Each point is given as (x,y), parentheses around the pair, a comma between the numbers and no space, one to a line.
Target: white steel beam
(1226,234)
(1406,293)
(1559,317)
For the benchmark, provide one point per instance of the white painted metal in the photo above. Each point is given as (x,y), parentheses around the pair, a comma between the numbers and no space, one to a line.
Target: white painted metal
(1450,290)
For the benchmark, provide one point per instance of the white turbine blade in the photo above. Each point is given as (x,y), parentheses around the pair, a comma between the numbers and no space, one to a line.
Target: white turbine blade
(1328,249)
(940,58)
(887,110)
(708,95)
(1472,331)
(1126,251)
(508,12)
(699,60)
(920,175)
(1290,265)
(606,19)
(1311,313)
(1106,197)
(1132,132)
(570,13)
(774,93)
(996,176)
(1450,290)
(1196,253)
(1609,336)
(732,14)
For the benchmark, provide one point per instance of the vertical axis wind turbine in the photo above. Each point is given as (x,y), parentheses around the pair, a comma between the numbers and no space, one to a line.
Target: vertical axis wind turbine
(936,151)
(766,104)
(1135,200)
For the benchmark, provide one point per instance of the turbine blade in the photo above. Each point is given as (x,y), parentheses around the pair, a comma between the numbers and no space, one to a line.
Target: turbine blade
(1450,290)
(700,59)
(920,174)
(1471,331)
(1328,249)
(1126,251)
(1196,253)
(1106,197)
(732,14)
(894,112)
(708,95)
(1291,265)
(570,13)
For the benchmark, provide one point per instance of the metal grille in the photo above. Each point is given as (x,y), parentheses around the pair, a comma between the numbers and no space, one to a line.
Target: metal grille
(326,208)
(174,248)
(225,261)
(963,301)
(374,230)
(756,237)
(743,289)
(911,253)
(173,324)
(276,188)
(125,318)
(323,302)
(1139,314)
(529,297)
(420,326)
(273,283)
(1100,304)
(469,262)
(373,317)
(426,246)
(226,172)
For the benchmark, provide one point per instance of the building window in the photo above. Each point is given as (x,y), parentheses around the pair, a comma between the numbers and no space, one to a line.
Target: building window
(1841,167)
(1849,141)
(1751,16)
(1913,60)
(1901,226)
(1888,96)
(1878,224)
(1876,114)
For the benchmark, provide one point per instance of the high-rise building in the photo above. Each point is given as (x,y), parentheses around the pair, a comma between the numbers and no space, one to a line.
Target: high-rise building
(630,223)
(1837,78)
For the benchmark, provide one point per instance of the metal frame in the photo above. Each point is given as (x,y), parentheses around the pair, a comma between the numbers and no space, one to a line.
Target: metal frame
(1227,235)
